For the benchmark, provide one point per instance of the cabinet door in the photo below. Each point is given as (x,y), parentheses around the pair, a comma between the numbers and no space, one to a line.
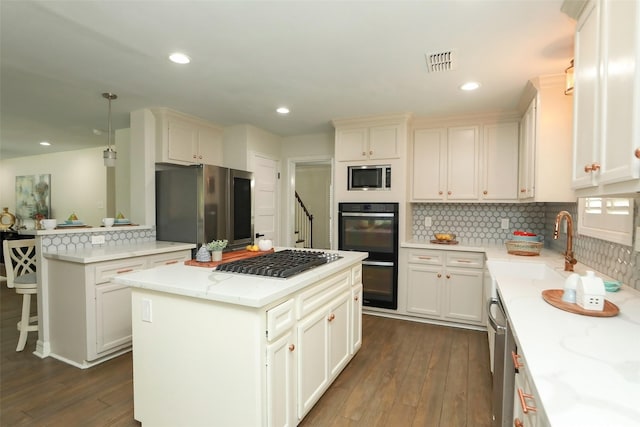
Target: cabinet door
(312,376)
(209,146)
(113,316)
(280,382)
(351,144)
(182,140)
(339,334)
(621,91)
(585,98)
(464,296)
(500,161)
(383,142)
(429,164)
(356,318)
(526,157)
(424,285)
(463,158)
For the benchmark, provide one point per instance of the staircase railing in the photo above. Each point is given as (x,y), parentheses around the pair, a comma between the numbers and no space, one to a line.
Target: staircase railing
(303,224)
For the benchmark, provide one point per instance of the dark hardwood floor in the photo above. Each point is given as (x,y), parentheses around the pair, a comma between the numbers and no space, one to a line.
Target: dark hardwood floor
(406,374)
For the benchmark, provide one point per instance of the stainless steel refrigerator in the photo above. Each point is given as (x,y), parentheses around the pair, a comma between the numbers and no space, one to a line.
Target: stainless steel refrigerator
(201,203)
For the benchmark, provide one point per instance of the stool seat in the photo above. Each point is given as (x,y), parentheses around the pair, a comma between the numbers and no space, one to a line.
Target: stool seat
(20,263)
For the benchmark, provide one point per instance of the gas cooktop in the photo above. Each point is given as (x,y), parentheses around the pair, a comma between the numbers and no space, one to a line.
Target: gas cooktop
(281,264)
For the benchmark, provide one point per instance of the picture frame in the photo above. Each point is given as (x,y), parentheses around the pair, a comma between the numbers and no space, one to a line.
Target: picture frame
(33,196)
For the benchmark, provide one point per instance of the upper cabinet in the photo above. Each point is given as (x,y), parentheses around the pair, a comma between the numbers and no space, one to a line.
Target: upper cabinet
(545,142)
(476,162)
(374,138)
(606,146)
(186,140)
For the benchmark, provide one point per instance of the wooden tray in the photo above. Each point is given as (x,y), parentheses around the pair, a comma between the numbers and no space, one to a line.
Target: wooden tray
(444,242)
(554,297)
(228,257)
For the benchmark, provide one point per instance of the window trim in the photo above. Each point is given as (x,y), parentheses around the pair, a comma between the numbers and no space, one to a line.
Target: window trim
(610,227)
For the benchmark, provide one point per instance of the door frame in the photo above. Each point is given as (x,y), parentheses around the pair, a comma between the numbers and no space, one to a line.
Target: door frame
(251,167)
(289,211)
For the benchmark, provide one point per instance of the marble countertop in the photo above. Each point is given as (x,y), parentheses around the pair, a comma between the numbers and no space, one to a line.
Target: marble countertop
(240,289)
(108,253)
(585,370)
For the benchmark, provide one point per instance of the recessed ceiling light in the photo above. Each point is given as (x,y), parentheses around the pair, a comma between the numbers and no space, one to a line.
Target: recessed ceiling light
(470,86)
(282,110)
(45,143)
(179,58)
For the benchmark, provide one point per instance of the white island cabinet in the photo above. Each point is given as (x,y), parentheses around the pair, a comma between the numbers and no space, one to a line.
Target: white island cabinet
(229,349)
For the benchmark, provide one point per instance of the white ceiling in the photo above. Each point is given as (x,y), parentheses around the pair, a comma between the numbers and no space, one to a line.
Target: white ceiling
(322,59)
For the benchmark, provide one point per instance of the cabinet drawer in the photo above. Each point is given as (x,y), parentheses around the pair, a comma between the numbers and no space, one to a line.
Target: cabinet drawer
(168,258)
(322,293)
(426,257)
(105,271)
(280,319)
(465,259)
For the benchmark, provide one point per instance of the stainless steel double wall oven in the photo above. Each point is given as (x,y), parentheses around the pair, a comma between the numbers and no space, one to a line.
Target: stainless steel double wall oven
(373,228)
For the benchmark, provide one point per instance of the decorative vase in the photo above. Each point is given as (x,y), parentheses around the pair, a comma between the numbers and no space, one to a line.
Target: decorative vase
(203,254)
(216,255)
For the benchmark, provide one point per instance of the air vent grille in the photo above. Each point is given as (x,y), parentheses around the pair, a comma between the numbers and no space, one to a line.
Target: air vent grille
(442,61)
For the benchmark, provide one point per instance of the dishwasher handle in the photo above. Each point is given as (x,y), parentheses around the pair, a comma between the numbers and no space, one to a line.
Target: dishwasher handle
(494,323)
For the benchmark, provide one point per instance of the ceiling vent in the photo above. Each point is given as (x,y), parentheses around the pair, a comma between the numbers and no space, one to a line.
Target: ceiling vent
(442,61)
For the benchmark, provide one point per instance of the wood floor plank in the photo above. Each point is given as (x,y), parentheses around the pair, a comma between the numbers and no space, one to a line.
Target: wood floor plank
(405,374)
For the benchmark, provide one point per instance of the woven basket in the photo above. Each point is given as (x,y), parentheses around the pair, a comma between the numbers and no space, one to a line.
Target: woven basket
(518,247)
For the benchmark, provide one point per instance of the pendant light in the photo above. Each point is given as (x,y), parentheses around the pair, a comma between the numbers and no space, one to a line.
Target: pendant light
(109,155)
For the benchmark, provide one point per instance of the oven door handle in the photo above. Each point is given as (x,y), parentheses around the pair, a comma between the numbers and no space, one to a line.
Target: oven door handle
(494,323)
(378,263)
(372,214)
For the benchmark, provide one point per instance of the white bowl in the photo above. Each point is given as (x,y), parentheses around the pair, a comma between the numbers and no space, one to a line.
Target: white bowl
(49,224)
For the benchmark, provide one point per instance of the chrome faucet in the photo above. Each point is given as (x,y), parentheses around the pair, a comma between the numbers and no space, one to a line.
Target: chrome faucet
(569,260)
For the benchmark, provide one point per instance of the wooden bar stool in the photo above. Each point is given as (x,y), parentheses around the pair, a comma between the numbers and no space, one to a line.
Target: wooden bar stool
(20,263)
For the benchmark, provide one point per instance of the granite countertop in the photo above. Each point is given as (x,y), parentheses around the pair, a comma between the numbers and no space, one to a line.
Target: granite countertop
(109,253)
(240,289)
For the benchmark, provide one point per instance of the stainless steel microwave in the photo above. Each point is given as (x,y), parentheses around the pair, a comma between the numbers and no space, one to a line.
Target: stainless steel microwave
(369,178)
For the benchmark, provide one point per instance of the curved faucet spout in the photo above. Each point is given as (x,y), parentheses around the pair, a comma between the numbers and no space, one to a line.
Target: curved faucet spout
(569,260)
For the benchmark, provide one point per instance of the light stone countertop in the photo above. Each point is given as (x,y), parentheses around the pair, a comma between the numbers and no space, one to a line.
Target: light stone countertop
(81,230)
(585,370)
(240,289)
(109,253)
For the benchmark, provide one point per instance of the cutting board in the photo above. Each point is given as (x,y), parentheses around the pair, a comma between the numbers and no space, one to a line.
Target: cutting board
(228,257)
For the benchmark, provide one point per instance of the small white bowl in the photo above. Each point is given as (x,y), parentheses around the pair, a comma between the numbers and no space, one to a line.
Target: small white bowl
(49,224)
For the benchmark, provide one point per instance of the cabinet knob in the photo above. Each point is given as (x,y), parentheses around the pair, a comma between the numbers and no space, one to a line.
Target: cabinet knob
(518,423)
(194,156)
(371,152)
(593,167)
(440,193)
(485,192)
(448,276)
(523,190)
(356,298)
(200,156)
(292,347)
(449,192)
(331,317)
(364,153)
(439,275)
(637,153)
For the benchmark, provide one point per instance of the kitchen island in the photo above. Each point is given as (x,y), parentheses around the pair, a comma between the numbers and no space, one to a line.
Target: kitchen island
(213,348)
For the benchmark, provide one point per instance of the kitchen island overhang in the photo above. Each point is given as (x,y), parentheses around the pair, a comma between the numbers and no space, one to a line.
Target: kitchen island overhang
(233,349)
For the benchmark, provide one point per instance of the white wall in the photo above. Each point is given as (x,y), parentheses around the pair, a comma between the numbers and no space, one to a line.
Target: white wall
(78,182)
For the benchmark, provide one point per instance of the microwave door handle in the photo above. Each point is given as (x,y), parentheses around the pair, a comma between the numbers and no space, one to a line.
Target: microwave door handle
(494,323)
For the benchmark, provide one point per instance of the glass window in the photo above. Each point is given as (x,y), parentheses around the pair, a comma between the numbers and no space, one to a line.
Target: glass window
(606,218)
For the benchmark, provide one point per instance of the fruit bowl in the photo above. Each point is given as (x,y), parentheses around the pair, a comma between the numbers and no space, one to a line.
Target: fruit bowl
(444,237)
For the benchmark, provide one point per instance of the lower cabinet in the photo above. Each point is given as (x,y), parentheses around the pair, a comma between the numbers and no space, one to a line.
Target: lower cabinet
(445,285)
(307,353)
(526,412)
(90,316)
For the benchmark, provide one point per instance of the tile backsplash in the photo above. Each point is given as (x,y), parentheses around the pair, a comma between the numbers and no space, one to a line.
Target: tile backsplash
(78,241)
(481,224)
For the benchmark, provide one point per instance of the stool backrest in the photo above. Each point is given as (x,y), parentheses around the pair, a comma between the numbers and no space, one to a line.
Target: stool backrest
(19,258)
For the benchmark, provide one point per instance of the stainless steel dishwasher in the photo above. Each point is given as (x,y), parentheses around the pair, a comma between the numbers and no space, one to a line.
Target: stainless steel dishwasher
(503,367)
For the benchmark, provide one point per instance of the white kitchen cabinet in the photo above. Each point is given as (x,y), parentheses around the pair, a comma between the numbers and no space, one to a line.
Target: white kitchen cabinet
(445,285)
(545,142)
(526,408)
(499,164)
(445,164)
(281,375)
(356,318)
(186,140)
(606,155)
(368,143)
(90,316)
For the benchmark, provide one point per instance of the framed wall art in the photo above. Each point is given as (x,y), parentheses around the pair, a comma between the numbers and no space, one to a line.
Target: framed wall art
(33,196)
